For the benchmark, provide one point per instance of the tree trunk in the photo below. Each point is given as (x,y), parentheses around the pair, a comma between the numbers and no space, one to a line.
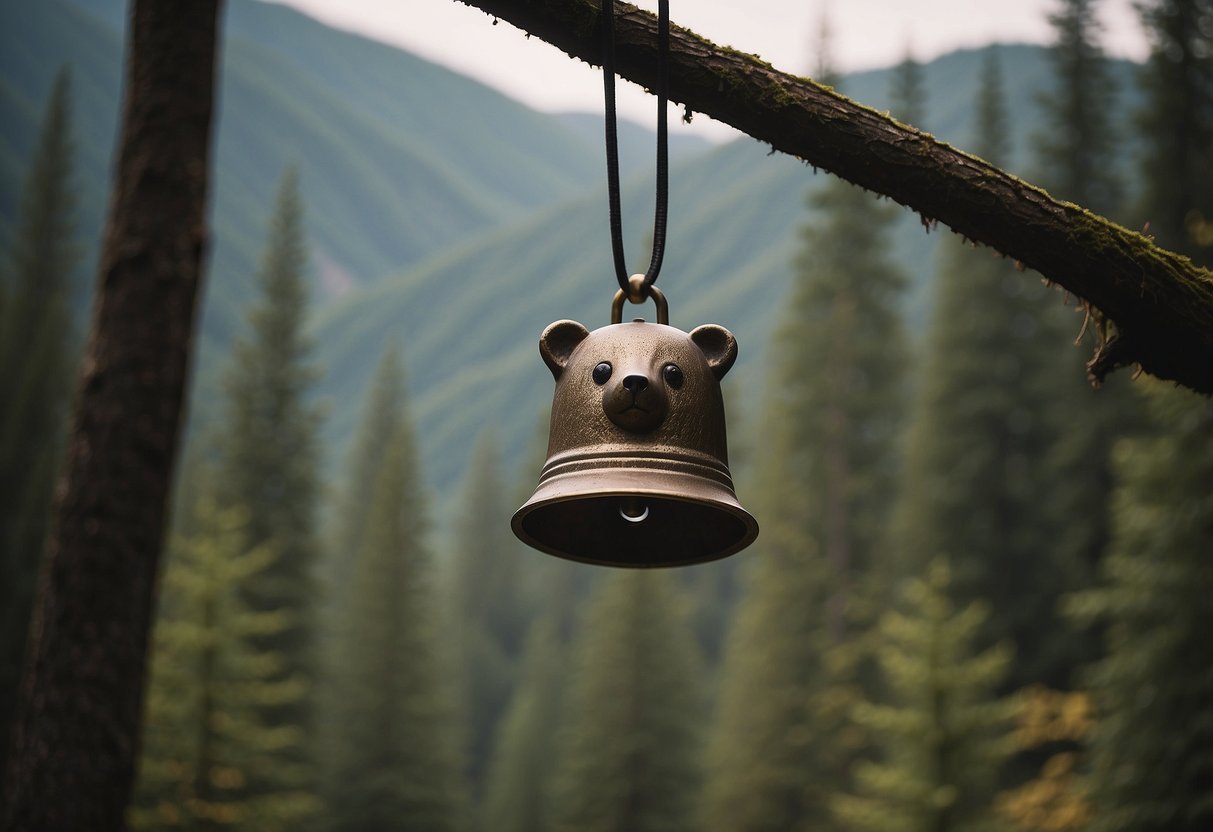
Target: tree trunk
(72,761)
(1161,304)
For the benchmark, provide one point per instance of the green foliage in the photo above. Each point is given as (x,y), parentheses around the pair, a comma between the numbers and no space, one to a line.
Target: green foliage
(782,743)
(908,94)
(268,454)
(486,619)
(770,766)
(390,146)
(382,419)
(1150,761)
(839,386)
(230,717)
(630,725)
(520,769)
(991,112)
(394,756)
(204,740)
(1077,148)
(940,729)
(1176,123)
(37,359)
(456,266)
(991,477)
(1076,155)
(269,451)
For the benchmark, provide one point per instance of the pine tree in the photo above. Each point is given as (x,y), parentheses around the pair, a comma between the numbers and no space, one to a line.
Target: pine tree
(782,743)
(203,739)
(769,767)
(840,386)
(941,730)
(1150,760)
(1077,151)
(1076,157)
(987,465)
(37,354)
(1176,124)
(382,419)
(268,455)
(395,757)
(629,736)
(519,772)
(908,93)
(486,620)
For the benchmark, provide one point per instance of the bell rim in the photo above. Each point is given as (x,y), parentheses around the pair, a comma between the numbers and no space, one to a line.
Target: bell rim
(713,494)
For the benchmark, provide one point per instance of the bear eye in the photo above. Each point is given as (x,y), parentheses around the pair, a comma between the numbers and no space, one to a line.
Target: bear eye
(673,375)
(602,371)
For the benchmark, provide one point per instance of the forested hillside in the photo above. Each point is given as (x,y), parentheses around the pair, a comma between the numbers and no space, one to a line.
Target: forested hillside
(392,150)
(980,596)
(421,218)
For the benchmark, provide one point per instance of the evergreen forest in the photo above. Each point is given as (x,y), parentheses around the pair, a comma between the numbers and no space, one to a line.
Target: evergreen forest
(982,596)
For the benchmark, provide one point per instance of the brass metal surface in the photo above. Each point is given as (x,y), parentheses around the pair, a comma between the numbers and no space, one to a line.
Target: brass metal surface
(637,469)
(637,293)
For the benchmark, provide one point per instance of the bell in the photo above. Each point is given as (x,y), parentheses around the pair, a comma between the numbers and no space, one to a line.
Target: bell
(637,470)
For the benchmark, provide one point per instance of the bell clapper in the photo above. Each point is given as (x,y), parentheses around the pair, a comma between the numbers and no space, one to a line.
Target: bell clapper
(633,510)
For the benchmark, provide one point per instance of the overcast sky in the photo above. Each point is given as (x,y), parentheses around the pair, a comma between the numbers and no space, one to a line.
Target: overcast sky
(865,34)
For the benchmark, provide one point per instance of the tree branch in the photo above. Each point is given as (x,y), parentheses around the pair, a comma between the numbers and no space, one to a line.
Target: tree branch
(1160,303)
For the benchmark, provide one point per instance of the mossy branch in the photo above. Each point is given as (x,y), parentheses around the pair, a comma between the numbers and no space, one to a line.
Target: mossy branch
(1160,303)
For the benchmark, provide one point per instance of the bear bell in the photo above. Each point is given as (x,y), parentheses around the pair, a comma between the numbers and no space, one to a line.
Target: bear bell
(637,468)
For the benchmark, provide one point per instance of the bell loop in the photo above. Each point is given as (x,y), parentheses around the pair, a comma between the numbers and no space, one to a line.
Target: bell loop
(638,290)
(636,285)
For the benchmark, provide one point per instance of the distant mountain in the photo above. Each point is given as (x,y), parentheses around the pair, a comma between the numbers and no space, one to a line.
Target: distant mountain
(399,158)
(734,217)
(454,221)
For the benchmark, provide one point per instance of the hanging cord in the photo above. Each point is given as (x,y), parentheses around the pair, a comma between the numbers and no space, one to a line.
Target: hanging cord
(612,148)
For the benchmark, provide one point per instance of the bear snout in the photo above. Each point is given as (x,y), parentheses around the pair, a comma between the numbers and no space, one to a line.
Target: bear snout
(635,404)
(635,384)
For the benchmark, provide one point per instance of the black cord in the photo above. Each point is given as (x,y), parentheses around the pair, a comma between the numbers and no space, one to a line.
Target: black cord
(661,209)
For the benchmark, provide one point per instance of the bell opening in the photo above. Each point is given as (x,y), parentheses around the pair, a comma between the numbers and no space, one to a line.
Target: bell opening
(621,530)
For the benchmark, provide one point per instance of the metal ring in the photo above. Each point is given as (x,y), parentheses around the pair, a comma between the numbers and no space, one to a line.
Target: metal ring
(637,290)
(663,308)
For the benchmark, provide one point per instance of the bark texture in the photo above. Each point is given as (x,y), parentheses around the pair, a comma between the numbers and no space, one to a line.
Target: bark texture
(72,761)
(1160,303)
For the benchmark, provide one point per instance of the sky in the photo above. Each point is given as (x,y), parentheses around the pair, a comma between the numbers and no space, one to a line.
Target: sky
(864,34)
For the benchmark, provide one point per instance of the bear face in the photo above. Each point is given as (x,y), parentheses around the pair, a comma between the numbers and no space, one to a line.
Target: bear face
(637,469)
(637,382)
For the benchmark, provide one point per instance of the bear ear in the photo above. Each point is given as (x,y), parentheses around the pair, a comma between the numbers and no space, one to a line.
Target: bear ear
(718,346)
(557,343)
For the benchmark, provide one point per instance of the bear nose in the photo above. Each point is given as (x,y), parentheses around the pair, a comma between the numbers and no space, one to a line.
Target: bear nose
(634,384)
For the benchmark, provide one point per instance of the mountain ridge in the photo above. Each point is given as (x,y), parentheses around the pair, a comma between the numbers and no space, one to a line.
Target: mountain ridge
(457,242)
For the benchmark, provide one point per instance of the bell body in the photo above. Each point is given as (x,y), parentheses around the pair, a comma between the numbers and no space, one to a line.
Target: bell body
(637,468)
